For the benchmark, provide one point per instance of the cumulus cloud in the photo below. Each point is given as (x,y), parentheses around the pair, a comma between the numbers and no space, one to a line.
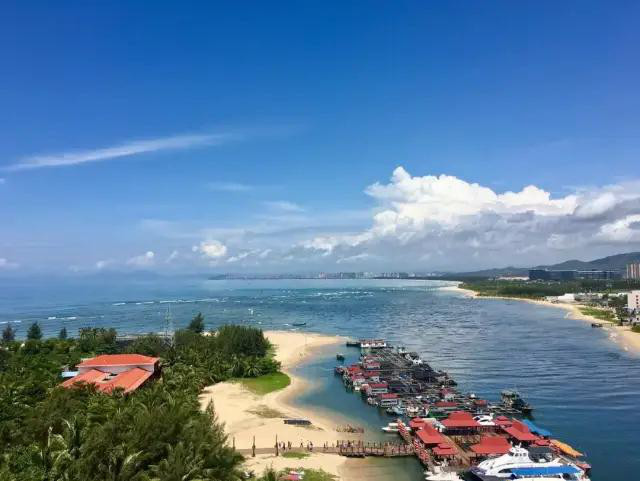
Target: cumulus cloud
(6,264)
(144,260)
(211,249)
(124,149)
(448,222)
(103,264)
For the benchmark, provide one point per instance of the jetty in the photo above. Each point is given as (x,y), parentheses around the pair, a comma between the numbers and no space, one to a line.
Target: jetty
(437,423)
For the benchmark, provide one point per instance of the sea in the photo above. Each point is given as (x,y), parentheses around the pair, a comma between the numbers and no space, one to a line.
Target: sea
(584,387)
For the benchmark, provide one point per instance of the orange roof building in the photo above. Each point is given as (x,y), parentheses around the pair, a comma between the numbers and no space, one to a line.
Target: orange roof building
(115,371)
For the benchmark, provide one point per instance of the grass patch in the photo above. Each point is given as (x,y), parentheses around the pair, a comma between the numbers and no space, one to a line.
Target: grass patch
(268,383)
(295,455)
(266,412)
(601,314)
(312,474)
(636,328)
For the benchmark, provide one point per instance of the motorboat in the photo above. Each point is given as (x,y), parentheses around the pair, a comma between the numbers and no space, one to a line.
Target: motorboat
(519,463)
(485,420)
(437,473)
(393,428)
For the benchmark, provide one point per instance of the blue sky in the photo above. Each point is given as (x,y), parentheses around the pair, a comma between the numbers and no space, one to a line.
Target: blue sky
(247,136)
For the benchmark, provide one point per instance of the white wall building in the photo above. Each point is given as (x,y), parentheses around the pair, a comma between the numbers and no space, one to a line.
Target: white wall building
(633,300)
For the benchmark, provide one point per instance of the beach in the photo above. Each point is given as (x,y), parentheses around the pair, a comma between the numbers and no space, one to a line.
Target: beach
(628,340)
(247,416)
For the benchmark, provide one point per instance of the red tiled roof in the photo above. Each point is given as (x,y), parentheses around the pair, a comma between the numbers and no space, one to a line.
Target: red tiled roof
(389,395)
(119,360)
(129,380)
(491,445)
(445,449)
(519,431)
(90,377)
(378,384)
(460,419)
(446,404)
(430,436)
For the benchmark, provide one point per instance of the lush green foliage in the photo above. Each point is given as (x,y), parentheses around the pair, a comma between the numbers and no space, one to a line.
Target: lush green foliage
(34,331)
(242,340)
(538,290)
(602,314)
(158,432)
(197,323)
(8,333)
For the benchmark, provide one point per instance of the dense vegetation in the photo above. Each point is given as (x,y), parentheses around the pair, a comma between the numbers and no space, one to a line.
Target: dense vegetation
(539,290)
(157,433)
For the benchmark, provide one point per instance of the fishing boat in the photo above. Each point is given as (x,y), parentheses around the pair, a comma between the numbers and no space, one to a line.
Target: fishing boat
(298,324)
(340,357)
(396,410)
(511,399)
(390,428)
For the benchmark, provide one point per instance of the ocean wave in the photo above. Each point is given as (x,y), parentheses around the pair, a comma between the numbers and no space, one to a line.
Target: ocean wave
(119,304)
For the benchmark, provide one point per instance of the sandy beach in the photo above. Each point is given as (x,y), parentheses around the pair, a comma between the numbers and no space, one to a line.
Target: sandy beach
(247,415)
(621,335)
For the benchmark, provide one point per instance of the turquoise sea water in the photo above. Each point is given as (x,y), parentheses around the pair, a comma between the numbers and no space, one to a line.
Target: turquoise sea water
(584,388)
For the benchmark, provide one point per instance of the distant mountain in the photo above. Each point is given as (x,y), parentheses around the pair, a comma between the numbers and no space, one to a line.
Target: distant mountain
(616,262)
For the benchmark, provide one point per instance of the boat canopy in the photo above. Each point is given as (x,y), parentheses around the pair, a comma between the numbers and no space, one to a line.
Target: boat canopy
(535,429)
(545,470)
(566,449)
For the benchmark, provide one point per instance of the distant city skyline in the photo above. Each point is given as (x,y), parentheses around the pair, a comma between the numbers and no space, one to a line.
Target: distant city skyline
(317,137)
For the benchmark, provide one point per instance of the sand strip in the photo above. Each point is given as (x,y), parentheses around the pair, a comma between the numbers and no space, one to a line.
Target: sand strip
(628,340)
(247,415)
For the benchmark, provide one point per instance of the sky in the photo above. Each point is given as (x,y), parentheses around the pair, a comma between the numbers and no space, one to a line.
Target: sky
(305,136)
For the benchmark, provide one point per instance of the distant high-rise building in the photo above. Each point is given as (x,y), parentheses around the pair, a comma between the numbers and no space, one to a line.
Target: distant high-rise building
(633,270)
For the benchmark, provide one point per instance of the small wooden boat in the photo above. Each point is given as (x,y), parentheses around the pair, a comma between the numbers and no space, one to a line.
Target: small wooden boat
(340,357)
(596,324)
(298,324)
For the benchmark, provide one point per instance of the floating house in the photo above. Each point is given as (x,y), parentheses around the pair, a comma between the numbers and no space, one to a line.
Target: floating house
(109,372)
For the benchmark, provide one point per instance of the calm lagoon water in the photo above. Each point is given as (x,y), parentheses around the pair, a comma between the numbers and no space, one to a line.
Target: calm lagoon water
(584,388)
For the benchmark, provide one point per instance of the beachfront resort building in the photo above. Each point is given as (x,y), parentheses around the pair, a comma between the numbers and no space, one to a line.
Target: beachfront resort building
(633,301)
(114,371)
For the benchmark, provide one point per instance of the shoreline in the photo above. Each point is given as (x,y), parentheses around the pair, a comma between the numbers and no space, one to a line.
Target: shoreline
(247,416)
(628,340)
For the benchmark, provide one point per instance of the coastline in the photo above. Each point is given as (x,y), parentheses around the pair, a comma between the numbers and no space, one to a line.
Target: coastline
(622,335)
(247,416)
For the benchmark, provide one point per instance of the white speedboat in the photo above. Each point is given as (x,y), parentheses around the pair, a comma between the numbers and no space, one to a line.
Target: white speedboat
(438,474)
(485,420)
(519,464)
(390,428)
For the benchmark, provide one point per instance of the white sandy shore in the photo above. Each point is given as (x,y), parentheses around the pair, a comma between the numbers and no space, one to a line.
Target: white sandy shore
(240,410)
(623,336)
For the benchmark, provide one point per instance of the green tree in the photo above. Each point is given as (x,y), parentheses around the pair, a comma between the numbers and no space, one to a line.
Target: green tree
(8,333)
(63,333)
(197,323)
(34,332)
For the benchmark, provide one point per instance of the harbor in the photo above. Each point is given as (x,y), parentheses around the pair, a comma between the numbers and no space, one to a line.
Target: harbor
(451,433)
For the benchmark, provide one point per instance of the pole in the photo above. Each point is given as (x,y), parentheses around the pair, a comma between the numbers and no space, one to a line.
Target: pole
(276,445)
(253,448)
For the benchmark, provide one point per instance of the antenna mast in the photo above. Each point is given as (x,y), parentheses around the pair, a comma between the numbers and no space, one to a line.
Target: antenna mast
(169,330)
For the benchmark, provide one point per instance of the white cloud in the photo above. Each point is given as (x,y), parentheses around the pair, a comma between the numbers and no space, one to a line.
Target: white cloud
(6,264)
(102,264)
(211,249)
(125,149)
(144,260)
(283,206)
(229,187)
(450,223)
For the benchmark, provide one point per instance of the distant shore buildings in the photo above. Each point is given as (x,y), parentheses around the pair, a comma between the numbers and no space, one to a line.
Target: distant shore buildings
(633,270)
(572,275)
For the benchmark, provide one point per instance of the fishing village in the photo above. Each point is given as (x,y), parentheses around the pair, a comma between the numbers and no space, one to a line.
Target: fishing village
(454,435)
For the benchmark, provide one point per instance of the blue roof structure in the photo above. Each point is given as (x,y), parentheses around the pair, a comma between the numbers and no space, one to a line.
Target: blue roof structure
(536,430)
(545,470)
